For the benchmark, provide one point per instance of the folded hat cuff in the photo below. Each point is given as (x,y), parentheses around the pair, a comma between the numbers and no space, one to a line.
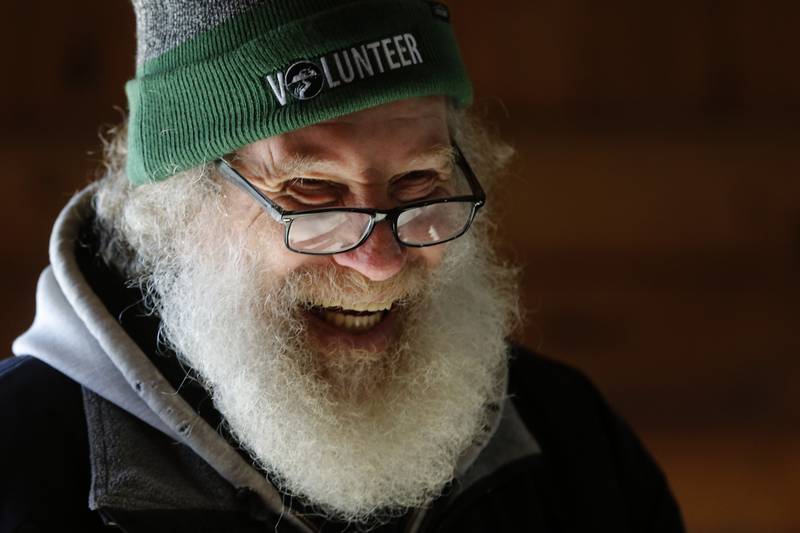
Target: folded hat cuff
(241,81)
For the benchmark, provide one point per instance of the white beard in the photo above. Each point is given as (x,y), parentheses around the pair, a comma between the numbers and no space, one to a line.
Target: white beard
(354,456)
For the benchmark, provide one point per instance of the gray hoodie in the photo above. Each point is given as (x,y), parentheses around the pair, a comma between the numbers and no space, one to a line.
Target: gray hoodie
(133,466)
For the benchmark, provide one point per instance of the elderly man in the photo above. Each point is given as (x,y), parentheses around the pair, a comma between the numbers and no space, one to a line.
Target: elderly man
(279,309)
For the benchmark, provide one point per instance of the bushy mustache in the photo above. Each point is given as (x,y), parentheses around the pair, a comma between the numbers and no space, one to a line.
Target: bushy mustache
(332,286)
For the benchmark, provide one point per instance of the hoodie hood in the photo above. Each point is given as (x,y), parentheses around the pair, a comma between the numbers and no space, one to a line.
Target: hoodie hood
(74,332)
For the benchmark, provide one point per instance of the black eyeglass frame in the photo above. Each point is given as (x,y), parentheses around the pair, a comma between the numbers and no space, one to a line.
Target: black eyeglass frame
(286,217)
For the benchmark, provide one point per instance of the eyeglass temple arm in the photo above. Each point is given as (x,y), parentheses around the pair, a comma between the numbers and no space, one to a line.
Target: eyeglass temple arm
(237,179)
(474,184)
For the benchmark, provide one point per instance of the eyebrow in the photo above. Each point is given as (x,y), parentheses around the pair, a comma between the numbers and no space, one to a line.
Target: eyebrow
(443,152)
(289,166)
(297,164)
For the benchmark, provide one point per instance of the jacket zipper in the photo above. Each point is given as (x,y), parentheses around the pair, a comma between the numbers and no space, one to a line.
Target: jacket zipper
(415,521)
(309,526)
(109,521)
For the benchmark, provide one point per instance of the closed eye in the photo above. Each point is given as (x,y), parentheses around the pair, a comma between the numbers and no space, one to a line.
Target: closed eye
(313,191)
(419,184)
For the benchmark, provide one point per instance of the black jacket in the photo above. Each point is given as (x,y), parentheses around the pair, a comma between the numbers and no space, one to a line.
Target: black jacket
(592,475)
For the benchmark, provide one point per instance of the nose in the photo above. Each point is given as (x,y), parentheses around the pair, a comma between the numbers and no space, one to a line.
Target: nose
(379,258)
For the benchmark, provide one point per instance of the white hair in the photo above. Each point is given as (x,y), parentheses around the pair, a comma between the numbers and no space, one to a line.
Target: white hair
(360,437)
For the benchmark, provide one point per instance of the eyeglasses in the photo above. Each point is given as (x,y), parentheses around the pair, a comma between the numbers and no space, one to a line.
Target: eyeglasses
(333,230)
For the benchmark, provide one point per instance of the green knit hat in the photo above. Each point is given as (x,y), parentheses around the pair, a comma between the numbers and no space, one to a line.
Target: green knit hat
(215,75)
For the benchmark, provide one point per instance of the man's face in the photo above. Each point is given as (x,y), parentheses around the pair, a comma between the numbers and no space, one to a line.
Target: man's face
(378,158)
(353,416)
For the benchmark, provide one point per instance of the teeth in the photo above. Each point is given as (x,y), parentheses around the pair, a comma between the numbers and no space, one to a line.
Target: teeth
(353,323)
(372,307)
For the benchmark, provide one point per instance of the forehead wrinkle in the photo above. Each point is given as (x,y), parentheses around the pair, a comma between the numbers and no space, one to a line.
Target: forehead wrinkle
(305,164)
(355,120)
(297,165)
(312,158)
(288,166)
(317,161)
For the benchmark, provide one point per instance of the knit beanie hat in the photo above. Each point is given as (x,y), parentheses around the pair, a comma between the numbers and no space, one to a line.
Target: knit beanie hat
(215,75)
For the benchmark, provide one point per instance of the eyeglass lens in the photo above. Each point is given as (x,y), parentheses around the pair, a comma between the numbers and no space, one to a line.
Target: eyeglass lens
(433,223)
(325,233)
(335,231)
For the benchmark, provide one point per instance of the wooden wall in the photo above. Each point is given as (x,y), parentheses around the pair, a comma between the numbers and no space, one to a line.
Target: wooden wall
(654,204)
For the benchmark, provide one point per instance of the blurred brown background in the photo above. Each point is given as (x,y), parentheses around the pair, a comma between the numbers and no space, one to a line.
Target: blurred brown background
(655,205)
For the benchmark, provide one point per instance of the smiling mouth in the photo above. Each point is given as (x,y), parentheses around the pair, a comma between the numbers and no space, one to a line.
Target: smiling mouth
(350,320)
